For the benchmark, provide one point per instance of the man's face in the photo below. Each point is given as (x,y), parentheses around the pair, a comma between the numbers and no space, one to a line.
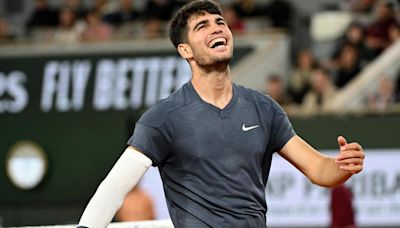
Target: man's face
(210,39)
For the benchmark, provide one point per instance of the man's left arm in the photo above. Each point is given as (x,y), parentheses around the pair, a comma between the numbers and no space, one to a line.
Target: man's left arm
(321,169)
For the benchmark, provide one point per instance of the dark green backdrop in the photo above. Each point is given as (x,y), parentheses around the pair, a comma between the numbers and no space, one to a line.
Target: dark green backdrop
(82,147)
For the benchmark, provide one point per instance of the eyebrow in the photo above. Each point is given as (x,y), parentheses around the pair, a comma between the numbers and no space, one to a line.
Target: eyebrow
(206,21)
(200,23)
(220,19)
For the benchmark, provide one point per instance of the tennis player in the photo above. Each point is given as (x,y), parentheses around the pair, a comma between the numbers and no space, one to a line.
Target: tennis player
(213,140)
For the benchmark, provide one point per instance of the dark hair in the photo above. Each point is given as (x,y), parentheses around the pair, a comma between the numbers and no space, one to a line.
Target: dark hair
(178,26)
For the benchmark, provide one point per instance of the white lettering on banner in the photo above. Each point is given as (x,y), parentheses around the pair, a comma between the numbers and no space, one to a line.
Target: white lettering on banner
(103,85)
(81,71)
(293,201)
(376,193)
(13,94)
(136,95)
(64,84)
(132,83)
(118,84)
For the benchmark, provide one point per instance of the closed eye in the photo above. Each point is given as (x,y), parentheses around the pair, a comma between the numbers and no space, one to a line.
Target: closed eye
(221,21)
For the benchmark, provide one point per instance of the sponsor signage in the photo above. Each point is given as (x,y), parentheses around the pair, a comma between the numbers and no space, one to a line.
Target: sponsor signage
(293,201)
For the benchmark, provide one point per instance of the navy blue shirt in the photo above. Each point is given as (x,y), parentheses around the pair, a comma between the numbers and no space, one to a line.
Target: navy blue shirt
(214,162)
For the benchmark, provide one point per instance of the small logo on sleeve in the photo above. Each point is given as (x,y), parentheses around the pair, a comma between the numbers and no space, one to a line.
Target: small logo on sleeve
(244,128)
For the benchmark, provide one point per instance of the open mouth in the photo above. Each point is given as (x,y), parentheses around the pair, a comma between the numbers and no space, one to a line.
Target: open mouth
(217,43)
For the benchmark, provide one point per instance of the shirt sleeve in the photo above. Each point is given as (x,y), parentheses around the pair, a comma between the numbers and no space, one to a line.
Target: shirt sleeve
(282,130)
(151,142)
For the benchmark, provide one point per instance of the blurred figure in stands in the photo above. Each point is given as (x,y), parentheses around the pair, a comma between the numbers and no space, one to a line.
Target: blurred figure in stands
(378,31)
(300,81)
(96,29)
(160,9)
(355,35)
(342,213)
(245,8)
(275,89)
(348,65)
(280,13)
(359,6)
(394,33)
(42,16)
(235,23)
(6,35)
(318,98)
(153,28)
(125,14)
(77,6)
(68,31)
(385,98)
(138,206)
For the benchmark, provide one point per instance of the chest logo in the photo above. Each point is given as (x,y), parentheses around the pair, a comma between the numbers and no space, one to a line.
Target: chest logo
(244,128)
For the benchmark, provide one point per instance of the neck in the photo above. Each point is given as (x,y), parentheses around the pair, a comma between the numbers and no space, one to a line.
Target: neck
(214,86)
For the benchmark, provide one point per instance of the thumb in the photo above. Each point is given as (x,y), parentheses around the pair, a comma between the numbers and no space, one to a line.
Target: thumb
(341,141)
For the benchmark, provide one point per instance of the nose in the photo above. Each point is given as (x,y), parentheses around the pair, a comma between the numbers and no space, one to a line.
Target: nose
(216,29)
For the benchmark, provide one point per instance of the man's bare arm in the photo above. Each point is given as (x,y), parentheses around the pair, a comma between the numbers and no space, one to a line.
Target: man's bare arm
(321,169)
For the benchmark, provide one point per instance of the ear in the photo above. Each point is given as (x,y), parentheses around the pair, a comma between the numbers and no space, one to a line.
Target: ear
(185,51)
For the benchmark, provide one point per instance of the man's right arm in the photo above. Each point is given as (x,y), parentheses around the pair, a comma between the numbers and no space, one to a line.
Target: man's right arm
(111,193)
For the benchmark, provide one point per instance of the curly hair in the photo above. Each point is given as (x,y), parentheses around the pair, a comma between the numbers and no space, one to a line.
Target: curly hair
(178,27)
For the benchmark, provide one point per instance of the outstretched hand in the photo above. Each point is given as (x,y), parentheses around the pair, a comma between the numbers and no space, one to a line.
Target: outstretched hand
(351,156)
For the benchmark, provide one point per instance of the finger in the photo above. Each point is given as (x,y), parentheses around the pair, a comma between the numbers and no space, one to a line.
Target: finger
(354,161)
(351,168)
(351,146)
(341,141)
(350,154)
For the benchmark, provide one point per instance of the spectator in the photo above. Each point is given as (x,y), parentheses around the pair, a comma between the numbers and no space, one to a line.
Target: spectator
(42,16)
(360,6)
(355,35)
(77,6)
(280,13)
(235,23)
(6,35)
(68,31)
(126,13)
(342,213)
(245,8)
(153,28)
(394,33)
(274,88)
(317,100)
(300,81)
(96,30)
(137,206)
(385,98)
(378,31)
(348,65)
(159,9)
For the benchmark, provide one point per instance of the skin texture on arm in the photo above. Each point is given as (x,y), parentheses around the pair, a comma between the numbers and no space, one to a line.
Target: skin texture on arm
(321,169)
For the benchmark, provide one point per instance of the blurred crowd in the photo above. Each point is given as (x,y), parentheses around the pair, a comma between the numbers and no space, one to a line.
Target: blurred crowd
(72,21)
(312,81)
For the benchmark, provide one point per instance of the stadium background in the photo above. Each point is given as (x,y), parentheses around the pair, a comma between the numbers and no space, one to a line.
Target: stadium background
(79,99)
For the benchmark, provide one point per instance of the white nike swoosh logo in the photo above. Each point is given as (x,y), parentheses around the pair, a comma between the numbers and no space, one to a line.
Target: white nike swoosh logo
(244,128)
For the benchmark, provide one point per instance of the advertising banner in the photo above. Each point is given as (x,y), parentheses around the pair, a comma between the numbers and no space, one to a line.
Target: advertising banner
(294,201)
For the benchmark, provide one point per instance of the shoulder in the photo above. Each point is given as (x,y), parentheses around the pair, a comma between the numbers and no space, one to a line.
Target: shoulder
(157,114)
(256,97)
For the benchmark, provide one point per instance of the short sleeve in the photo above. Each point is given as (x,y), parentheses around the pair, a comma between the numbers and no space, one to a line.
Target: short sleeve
(151,142)
(282,130)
